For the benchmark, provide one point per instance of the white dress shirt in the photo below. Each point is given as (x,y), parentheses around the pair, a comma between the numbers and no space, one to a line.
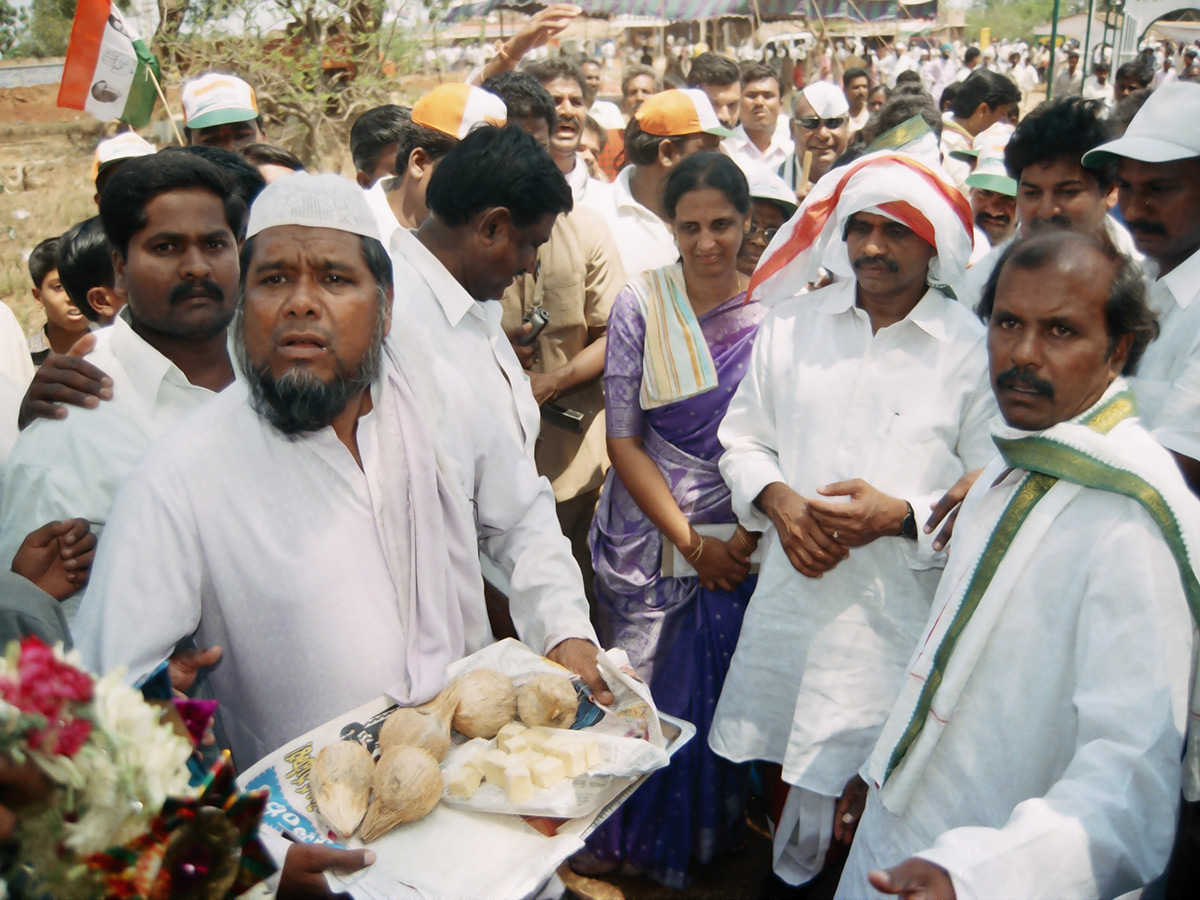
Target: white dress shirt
(273,547)
(72,467)
(644,240)
(489,428)
(742,150)
(582,184)
(1167,381)
(1058,773)
(906,409)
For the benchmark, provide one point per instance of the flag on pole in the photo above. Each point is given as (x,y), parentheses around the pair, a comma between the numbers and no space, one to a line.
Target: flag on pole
(110,72)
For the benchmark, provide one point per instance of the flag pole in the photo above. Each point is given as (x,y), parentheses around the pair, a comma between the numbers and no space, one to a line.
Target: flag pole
(166,106)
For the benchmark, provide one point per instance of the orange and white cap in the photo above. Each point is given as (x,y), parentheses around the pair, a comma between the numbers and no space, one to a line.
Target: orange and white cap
(217,99)
(455,108)
(680,112)
(125,145)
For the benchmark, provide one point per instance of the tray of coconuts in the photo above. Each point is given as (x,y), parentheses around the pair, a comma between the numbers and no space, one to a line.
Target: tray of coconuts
(513,760)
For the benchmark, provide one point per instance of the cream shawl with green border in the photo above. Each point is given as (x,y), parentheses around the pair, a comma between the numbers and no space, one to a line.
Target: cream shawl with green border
(1058,463)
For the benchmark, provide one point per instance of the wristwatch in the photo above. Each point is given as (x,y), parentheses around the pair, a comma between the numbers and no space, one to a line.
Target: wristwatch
(908,528)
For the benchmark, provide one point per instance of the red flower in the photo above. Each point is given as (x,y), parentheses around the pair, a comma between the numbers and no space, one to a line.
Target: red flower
(48,687)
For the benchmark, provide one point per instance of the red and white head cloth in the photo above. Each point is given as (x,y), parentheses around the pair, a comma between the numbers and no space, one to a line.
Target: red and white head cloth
(896,185)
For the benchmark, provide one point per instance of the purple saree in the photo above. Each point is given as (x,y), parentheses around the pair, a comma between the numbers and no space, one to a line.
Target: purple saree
(679,636)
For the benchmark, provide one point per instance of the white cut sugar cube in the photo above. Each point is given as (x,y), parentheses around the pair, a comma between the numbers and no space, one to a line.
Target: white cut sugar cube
(591,749)
(493,763)
(514,743)
(572,754)
(509,731)
(518,783)
(547,771)
(464,782)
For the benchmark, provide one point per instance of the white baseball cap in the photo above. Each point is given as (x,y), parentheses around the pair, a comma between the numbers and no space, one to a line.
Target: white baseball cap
(315,201)
(989,172)
(455,108)
(125,145)
(1165,129)
(217,99)
(766,185)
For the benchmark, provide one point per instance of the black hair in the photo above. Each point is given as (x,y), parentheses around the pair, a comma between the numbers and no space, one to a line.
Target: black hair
(908,76)
(1101,66)
(1133,69)
(43,260)
(901,105)
(557,67)
(949,95)
(984,86)
(970,54)
(373,132)
(247,180)
(756,71)
(1127,107)
(85,262)
(713,68)
(141,179)
(1065,127)
(1126,311)
(854,72)
(707,169)
(523,96)
(672,81)
(880,87)
(589,61)
(436,144)
(497,167)
(270,155)
(633,72)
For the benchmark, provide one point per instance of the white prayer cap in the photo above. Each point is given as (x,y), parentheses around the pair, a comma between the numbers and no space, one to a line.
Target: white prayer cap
(315,201)
(827,100)
(1166,128)
(896,185)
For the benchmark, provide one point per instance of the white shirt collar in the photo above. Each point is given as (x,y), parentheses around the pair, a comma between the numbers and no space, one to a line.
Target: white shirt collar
(928,314)
(624,196)
(577,179)
(1184,280)
(147,368)
(451,296)
(384,217)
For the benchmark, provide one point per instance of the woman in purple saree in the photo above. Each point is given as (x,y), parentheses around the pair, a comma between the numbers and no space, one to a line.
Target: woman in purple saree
(678,342)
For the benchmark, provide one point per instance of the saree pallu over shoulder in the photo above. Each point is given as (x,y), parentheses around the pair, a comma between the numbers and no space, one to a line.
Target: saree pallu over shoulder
(677,363)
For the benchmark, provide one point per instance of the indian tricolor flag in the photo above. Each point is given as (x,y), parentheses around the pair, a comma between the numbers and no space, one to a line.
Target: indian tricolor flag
(109,70)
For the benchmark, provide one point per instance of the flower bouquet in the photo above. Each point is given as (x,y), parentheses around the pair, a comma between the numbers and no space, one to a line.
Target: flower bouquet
(120,818)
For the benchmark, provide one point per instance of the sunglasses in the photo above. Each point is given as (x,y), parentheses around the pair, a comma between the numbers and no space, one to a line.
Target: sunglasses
(767,234)
(812,123)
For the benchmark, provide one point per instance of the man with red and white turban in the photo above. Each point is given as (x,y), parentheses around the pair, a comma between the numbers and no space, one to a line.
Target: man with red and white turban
(864,401)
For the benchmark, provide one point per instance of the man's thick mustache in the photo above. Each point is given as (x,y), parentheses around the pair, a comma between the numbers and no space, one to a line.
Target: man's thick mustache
(202,288)
(1143,227)
(891,264)
(1024,378)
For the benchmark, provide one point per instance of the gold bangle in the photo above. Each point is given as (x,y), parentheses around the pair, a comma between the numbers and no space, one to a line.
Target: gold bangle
(693,558)
(743,537)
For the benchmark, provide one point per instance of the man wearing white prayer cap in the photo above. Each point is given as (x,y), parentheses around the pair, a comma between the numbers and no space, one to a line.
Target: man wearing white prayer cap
(820,130)
(307,520)
(863,402)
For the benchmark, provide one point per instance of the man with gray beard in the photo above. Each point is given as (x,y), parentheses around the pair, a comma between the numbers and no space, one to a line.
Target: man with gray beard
(300,520)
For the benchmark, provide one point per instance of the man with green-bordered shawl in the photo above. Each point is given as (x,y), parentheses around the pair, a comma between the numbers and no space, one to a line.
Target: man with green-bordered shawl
(1035,747)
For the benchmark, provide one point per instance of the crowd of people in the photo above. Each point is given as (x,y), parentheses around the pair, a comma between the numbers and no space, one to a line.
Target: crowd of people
(864,415)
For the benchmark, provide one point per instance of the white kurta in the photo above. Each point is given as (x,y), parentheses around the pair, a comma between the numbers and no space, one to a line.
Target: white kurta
(72,467)
(1058,773)
(1167,383)
(644,240)
(15,364)
(489,426)
(274,548)
(908,410)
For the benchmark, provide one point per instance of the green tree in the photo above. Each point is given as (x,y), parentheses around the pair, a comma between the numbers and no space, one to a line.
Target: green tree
(13,21)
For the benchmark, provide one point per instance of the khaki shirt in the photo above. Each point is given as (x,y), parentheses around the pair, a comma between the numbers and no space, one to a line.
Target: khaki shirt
(580,276)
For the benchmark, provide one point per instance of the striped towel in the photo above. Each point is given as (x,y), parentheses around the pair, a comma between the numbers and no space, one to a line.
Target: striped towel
(676,362)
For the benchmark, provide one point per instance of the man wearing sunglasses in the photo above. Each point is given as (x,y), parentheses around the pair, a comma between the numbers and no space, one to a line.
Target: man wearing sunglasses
(820,126)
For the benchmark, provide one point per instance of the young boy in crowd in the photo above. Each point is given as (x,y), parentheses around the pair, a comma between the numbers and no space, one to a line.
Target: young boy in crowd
(86,273)
(65,324)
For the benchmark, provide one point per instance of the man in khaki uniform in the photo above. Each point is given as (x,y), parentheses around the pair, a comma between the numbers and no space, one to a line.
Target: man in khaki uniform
(578,276)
